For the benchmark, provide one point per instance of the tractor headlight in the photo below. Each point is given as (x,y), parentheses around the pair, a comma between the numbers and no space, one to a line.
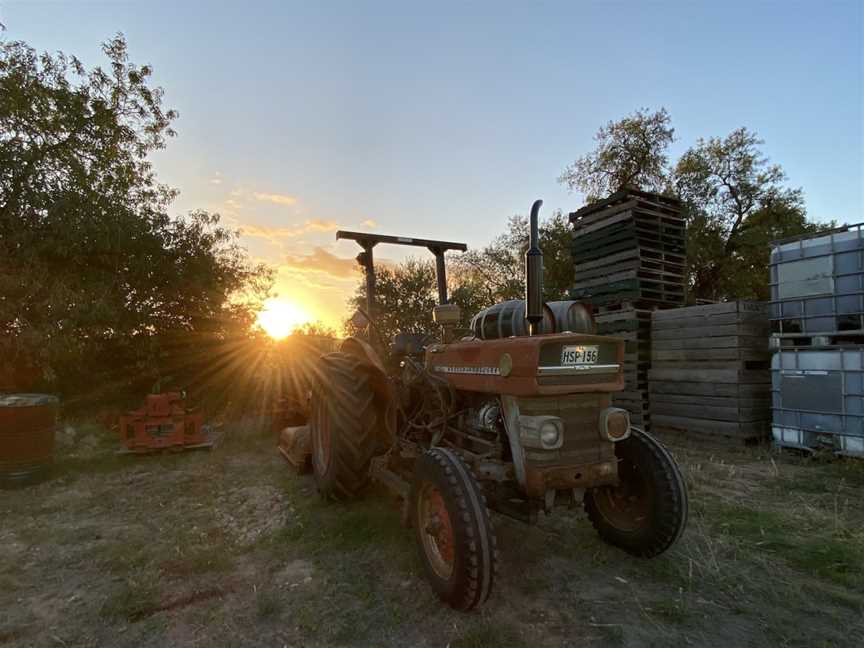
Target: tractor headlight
(550,435)
(542,432)
(614,424)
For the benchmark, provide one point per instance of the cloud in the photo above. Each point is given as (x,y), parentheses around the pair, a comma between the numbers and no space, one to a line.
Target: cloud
(371,224)
(276,199)
(318,225)
(322,261)
(276,233)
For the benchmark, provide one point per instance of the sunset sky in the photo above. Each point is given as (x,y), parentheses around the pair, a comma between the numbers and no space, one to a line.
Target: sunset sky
(443,119)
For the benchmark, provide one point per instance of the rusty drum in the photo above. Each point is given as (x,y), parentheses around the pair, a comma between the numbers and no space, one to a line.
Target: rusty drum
(573,316)
(26,437)
(507,319)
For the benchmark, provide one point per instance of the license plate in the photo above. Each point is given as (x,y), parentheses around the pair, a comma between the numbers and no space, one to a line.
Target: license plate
(579,355)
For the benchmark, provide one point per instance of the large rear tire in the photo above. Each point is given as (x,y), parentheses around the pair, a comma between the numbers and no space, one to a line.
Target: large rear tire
(647,512)
(343,426)
(453,529)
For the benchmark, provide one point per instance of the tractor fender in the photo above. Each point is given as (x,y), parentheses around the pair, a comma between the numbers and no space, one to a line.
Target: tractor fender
(385,397)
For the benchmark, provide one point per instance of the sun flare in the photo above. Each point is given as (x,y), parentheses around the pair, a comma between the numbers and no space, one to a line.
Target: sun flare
(279,318)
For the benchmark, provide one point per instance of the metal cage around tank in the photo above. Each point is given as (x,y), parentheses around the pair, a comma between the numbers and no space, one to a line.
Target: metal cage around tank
(818,399)
(817,284)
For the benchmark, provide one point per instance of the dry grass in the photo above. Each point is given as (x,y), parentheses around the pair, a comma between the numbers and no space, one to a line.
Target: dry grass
(229,548)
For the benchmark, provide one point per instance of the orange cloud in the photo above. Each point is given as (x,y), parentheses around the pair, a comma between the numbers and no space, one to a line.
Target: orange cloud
(318,225)
(371,224)
(320,260)
(276,233)
(276,199)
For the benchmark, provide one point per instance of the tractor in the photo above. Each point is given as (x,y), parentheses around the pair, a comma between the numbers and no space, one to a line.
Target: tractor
(514,415)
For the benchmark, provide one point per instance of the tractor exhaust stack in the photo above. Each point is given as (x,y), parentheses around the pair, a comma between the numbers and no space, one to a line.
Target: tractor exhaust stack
(534,274)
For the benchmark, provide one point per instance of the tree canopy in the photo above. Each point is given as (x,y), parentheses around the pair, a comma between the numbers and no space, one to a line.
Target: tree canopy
(97,279)
(629,152)
(407,292)
(736,201)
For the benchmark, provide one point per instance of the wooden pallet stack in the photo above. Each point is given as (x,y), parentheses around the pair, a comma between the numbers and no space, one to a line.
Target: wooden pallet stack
(709,376)
(629,254)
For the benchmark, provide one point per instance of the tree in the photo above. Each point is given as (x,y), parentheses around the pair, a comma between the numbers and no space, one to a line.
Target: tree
(498,270)
(314,329)
(629,152)
(736,203)
(405,295)
(98,283)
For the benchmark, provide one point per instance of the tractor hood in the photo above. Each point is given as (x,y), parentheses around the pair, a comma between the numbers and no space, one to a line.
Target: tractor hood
(531,366)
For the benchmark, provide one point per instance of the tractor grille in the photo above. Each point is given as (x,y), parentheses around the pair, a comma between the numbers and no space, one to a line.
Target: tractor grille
(581,416)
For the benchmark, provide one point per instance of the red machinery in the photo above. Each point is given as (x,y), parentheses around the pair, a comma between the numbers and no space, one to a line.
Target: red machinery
(163,422)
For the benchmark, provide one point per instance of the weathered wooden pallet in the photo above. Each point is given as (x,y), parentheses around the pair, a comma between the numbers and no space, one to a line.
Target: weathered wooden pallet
(588,253)
(711,412)
(714,401)
(749,365)
(709,355)
(752,329)
(715,320)
(661,203)
(748,342)
(683,387)
(647,278)
(636,258)
(630,224)
(737,376)
(590,246)
(619,272)
(711,310)
(740,429)
(642,208)
(691,438)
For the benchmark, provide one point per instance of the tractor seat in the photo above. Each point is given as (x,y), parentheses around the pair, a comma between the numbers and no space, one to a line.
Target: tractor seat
(409,344)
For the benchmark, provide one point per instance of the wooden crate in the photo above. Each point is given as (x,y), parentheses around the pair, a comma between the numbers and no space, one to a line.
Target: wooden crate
(709,373)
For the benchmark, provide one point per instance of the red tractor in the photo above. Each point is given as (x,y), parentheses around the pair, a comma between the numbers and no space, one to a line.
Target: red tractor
(494,419)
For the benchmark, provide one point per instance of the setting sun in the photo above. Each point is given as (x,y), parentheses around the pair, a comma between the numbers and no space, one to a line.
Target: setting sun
(279,318)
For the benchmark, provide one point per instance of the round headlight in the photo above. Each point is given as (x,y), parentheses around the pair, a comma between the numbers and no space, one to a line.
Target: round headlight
(550,435)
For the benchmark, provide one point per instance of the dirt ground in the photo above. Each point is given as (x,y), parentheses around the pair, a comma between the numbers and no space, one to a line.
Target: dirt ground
(228,548)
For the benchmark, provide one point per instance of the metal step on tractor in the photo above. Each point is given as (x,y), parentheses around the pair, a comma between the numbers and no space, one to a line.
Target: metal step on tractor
(515,416)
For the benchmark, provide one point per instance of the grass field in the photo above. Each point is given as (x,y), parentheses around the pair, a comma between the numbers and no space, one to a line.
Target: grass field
(229,548)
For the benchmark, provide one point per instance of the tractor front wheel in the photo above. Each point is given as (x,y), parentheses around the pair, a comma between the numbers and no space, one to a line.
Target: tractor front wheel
(647,512)
(343,426)
(453,530)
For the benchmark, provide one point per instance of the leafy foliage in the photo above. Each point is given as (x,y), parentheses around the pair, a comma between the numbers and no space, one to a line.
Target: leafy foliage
(737,204)
(499,268)
(404,297)
(407,292)
(629,152)
(97,281)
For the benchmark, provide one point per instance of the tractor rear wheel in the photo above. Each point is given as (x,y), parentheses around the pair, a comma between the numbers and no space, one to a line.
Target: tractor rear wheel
(343,426)
(453,529)
(647,512)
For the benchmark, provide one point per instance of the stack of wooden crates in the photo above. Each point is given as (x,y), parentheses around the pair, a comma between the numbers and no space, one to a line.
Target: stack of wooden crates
(629,254)
(710,373)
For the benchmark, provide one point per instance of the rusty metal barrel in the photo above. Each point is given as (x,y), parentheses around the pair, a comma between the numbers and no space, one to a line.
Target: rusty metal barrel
(26,437)
(506,319)
(572,316)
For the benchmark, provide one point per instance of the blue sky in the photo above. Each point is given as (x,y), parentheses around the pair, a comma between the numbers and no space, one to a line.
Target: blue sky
(443,119)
